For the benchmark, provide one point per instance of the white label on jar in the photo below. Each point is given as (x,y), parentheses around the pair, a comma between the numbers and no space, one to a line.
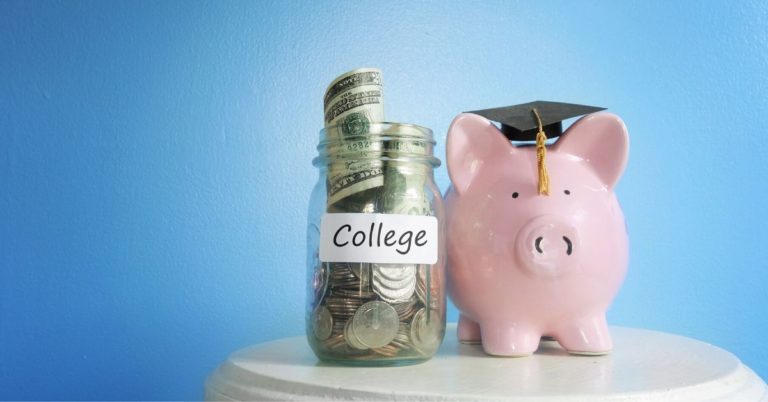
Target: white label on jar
(379,238)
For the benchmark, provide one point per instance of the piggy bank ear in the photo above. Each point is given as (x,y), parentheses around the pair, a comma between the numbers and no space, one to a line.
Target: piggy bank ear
(473,141)
(601,140)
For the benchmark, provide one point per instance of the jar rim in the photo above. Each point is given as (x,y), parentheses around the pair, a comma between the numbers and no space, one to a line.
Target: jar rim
(379,129)
(380,132)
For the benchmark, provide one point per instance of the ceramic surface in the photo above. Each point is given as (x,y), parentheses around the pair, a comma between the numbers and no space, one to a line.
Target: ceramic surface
(524,265)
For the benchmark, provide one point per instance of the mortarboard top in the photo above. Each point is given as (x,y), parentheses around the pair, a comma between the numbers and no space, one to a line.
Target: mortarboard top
(518,122)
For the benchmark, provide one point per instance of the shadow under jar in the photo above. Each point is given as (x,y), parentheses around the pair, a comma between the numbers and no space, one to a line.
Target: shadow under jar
(375,253)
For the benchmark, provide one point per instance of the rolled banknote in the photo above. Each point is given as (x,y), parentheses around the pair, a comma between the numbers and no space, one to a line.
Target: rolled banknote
(351,102)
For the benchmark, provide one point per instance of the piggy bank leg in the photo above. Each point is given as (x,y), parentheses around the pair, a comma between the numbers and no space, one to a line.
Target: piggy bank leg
(513,341)
(468,330)
(586,336)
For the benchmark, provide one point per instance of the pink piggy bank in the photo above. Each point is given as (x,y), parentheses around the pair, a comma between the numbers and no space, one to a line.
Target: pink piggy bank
(523,265)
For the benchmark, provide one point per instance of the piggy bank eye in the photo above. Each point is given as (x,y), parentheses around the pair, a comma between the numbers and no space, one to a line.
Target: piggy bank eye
(567,192)
(515,194)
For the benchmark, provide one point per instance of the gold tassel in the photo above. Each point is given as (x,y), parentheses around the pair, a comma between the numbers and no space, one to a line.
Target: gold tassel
(541,156)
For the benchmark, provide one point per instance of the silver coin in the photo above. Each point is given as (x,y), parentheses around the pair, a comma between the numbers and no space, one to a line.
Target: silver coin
(320,281)
(375,324)
(322,323)
(400,277)
(396,295)
(425,331)
(390,284)
(422,279)
(351,338)
(393,272)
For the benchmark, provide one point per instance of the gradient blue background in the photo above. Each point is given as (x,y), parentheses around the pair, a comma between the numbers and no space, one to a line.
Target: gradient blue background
(155,164)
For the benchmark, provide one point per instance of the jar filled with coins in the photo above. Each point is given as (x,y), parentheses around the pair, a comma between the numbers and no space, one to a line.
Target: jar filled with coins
(375,253)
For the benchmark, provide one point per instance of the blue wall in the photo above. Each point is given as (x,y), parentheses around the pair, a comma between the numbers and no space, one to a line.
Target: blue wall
(155,164)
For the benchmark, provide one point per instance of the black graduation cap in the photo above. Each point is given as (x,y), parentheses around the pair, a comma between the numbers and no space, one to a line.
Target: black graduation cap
(518,122)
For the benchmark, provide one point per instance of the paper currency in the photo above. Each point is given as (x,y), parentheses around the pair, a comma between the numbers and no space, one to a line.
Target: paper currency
(351,103)
(354,99)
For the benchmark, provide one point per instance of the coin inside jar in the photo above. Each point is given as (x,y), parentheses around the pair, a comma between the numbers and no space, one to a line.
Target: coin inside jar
(361,270)
(342,307)
(322,323)
(421,283)
(351,338)
(351,292)
(394,283)
(375,324)
(405,309)
(394,272)
(425,331)
(394,293)
(320,282)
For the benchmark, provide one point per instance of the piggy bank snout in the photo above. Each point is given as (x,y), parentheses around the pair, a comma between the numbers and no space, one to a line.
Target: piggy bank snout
(548,245)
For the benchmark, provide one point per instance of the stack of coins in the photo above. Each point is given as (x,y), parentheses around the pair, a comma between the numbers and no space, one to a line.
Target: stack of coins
(377,310)
(394,283)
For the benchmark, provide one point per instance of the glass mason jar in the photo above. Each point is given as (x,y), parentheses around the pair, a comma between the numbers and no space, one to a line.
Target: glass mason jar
(375,252)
